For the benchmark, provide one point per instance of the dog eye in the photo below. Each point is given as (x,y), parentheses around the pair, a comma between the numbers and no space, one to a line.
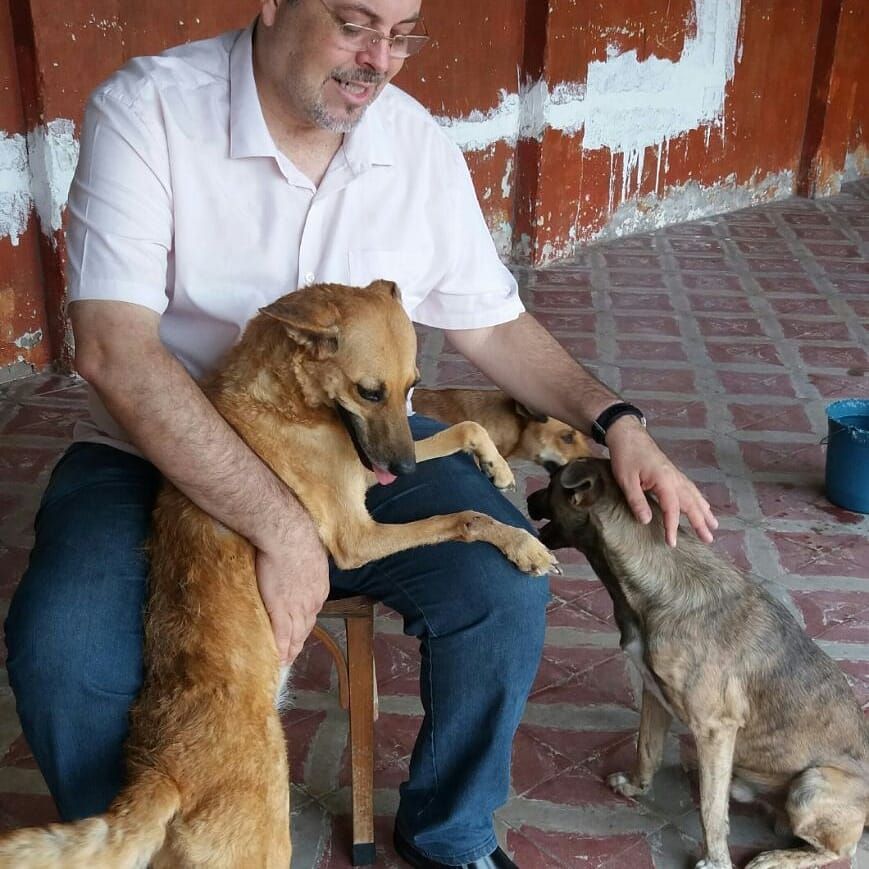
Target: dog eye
(568,437)
(373,395)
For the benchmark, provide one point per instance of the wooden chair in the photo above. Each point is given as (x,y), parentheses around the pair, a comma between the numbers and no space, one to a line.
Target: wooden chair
(357,692)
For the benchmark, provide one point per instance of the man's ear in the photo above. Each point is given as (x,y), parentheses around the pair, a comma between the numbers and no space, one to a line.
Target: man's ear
(310,320)
(534,415)
(268,11)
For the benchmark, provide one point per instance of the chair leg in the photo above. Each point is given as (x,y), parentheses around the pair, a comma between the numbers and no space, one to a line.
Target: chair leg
(340,663)
(360,653)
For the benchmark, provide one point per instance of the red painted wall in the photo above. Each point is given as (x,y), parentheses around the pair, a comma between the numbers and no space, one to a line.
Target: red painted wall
(846,120)
(544,193)
(22,305)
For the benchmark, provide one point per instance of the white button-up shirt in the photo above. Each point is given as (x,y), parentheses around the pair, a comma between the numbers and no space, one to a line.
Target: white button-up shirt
(182,203)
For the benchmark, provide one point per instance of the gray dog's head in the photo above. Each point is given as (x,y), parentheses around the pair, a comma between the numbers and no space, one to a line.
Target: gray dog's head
(577,492)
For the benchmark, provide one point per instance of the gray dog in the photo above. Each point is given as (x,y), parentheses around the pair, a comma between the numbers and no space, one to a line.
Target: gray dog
(772,716)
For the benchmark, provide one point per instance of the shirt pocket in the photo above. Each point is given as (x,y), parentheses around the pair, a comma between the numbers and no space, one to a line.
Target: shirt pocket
(404,267)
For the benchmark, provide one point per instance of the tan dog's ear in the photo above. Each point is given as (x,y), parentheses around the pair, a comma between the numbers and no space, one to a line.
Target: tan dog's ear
(389,287)
(311,321)
(521,410)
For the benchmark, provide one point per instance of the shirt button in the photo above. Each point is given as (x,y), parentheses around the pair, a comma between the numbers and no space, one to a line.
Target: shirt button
(309,278)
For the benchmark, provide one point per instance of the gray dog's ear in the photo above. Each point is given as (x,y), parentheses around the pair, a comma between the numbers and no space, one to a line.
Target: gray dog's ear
(580,478)
(521,410)
(578,475)
(310,320)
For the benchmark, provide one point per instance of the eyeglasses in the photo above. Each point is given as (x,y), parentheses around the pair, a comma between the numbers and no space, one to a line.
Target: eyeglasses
(355,37)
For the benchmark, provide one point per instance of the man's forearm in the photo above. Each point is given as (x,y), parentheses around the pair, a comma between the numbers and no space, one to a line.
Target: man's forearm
(528,363)
(173,424)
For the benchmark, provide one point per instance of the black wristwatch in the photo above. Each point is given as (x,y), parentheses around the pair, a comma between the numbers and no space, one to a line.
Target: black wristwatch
(601,425)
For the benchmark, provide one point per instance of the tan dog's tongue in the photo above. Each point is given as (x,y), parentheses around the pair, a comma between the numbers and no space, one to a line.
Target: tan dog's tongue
(383,476)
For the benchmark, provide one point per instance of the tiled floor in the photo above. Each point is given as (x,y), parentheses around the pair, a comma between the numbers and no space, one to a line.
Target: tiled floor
(733,333)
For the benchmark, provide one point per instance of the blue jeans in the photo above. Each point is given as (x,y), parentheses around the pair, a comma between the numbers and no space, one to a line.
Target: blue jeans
(74,634)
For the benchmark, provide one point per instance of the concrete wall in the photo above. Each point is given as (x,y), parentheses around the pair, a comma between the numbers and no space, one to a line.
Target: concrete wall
(578,120)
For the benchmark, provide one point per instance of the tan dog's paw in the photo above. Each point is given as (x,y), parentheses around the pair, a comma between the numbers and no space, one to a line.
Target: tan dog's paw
(529,554)
(621,783)
(709,863)
(775,860)
(495,467)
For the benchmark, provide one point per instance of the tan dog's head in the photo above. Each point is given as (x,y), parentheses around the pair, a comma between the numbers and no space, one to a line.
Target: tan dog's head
(547,441)
(359,357)
(579,494)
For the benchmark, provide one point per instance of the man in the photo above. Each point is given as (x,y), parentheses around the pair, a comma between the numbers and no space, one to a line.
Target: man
(211,180)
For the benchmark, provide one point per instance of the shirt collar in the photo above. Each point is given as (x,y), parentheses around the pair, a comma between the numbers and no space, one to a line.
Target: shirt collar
(368,144)
(248,134)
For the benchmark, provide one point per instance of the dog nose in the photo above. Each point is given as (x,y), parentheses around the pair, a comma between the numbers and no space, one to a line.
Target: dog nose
(538,505)
(402,466)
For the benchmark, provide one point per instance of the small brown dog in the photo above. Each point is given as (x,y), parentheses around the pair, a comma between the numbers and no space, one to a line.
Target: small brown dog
(317,388)
(764,704)
(517,432)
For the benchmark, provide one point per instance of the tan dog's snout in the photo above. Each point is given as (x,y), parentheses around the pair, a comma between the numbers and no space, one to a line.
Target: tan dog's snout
(549,442)
(362,361)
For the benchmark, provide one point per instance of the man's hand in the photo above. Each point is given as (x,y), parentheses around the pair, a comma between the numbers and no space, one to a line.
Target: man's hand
(639,466)
(293,580)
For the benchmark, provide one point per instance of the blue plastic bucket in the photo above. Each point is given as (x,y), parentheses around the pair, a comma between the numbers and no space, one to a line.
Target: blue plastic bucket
(847,477)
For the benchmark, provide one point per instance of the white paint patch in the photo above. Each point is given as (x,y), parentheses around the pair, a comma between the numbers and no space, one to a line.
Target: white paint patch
(480,130)
(502,235)
(53,158)
(15,198)
(625,105)
(36,171)
(677,205)
(691,202)
(507,180)
(856,166)
(29,340)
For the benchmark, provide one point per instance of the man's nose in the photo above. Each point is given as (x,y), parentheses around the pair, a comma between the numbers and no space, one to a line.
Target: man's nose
(377,55)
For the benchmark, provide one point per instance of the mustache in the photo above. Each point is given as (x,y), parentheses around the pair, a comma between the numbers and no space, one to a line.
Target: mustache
(358,76)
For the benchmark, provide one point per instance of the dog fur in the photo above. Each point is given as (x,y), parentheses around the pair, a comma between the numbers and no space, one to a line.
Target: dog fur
(772,716)
(317,388)
(517,432)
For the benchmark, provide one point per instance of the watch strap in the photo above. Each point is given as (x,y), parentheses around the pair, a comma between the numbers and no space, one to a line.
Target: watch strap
(601,425)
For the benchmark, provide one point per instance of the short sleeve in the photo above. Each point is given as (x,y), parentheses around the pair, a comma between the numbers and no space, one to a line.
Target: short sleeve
(119,228)
(474,289)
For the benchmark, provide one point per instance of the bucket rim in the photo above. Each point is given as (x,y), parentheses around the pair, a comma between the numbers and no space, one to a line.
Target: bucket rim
(848,407)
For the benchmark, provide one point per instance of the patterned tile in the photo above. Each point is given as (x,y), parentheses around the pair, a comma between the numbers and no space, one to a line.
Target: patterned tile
(700,323)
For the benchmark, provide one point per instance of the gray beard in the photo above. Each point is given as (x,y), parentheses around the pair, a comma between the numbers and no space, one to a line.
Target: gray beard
(325,120)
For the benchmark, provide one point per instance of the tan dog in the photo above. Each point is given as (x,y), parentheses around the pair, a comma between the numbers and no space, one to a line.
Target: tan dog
(317,388)
(516,431)
(764,704)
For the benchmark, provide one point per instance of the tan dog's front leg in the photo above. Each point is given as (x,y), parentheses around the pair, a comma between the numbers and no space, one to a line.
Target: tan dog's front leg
(654,723)
(354,544)
(468,437)
(715,744)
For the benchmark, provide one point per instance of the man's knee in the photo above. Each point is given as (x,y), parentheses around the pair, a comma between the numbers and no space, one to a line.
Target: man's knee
(65,634)
(42,659)
(495,599)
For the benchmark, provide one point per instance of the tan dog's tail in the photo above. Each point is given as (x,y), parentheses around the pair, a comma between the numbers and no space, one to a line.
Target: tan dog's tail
(125,837)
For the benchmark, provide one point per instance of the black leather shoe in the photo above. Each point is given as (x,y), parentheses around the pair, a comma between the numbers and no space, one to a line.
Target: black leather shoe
(496,860)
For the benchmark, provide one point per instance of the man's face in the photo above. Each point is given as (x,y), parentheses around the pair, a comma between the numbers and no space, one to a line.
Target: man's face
(300,53)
